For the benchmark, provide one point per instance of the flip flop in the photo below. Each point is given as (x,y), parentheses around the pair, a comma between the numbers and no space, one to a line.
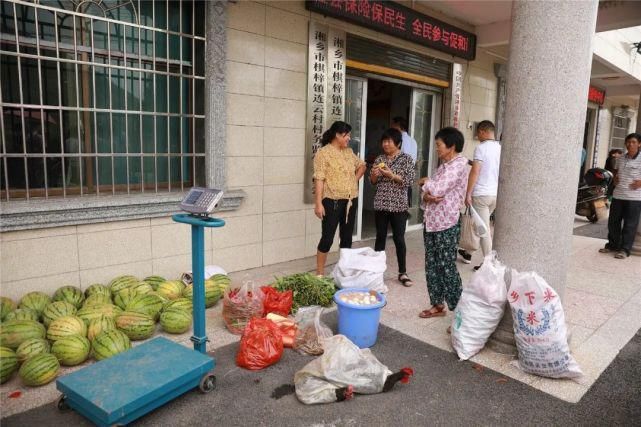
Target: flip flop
(426,314)
(405,281)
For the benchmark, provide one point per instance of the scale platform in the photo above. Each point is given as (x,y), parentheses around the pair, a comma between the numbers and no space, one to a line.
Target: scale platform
(120,389)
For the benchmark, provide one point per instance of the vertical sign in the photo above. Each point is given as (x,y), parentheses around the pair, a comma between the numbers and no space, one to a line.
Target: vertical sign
(597,138)
(457,87)
(335,77)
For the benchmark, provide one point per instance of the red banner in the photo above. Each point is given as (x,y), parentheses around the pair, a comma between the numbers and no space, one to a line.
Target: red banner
(596,95)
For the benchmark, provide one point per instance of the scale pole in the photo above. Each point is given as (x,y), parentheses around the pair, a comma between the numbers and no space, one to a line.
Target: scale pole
(198,273)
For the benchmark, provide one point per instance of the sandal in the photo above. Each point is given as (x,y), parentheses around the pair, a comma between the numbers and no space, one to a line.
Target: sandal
(434,311)
(621,255)
(405,280)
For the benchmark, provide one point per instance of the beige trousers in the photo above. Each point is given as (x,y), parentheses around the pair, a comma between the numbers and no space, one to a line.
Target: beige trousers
(484,206)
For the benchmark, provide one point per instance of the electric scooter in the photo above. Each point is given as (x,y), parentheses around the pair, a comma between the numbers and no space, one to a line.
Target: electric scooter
(592,197)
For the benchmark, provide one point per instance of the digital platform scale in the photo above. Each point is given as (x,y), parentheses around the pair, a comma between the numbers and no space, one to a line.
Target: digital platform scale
(123,388)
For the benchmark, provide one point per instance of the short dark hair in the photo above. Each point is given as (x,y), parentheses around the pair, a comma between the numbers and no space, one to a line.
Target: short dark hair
(486,126)
(401,122)
(451,137)
(634,135)
(337,127)
(393,134)
(615,151)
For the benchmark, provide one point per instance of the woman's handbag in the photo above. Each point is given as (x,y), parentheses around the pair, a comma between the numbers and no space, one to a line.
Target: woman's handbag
(469,240)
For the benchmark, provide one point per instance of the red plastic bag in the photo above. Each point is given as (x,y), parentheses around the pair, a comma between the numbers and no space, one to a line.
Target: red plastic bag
(240,305)
(277,302)
(260,346)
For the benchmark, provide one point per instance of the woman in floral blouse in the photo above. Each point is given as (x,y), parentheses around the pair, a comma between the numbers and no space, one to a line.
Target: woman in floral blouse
(336,173)
(443,197)
(392,173)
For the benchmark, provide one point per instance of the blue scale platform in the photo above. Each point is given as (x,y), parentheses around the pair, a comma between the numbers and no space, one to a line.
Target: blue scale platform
(125,387)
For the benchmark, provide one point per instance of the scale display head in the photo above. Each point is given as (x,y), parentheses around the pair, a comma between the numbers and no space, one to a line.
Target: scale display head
(201,200)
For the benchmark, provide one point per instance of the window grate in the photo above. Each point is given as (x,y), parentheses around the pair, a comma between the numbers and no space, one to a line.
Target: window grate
(101,97)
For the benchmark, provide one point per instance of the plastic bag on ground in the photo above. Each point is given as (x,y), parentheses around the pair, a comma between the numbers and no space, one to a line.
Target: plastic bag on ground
(277,302)
(480,308)
(260,346)
(311,332)
(240,305)
(469,240)
(539,328)
(361,268)
(342,364)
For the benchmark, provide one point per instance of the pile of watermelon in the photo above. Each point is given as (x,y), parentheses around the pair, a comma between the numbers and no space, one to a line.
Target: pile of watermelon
(43,332)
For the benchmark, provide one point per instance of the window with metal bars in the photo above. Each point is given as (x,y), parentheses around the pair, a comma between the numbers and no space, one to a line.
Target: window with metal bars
(101,97)
(620,129)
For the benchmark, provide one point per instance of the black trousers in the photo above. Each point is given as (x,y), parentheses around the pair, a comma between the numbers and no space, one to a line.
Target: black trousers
(398,221)
(335,217)
(621,236)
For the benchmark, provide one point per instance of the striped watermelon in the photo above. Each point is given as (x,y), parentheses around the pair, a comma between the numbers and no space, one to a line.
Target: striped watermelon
(97,299)
(57,309)
(110,343)
(181,303)
(154,281)
(142,288)
(8,364)
(97,289)
(6,306)
(124,297)
(149,304)
(100,324)
(15,332)
(220,279)
(65,326)
(213,292)
(175,321)
(122,282)
(71,350)
(22,314)
(31,347)
(37,301)
(88,313)
(137,326)
(171,289)
(39,369)
(70,294)
(164,299)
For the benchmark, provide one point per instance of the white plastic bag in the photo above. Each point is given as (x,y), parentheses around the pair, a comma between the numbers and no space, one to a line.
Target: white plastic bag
(342,364)
(480,308)
(468,240)
(479,226)
(362,268)
(539,328)
(311,332)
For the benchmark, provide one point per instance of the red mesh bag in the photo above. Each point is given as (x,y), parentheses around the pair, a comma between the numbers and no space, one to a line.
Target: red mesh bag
(277,302)
(260,346)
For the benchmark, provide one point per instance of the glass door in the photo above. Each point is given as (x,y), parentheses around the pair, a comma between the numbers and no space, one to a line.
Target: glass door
(355,109)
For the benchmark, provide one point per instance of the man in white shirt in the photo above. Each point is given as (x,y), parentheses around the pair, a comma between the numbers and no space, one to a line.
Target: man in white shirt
(409,145)
(483,180)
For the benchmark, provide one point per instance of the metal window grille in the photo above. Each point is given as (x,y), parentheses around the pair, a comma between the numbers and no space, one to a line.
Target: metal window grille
(620,126)
(101,97)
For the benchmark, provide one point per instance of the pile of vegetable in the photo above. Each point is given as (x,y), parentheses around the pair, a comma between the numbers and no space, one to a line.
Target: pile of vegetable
(308,289)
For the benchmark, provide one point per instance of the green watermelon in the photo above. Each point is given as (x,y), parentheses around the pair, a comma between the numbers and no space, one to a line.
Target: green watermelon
(220,279)
(175,321)
(171,289)
(181,303)
(164,299)
(88,313)
(98,325)
(15,332)
(137,326)
(31,347)
(8,364)
(69,294)
(213,293)
(154,281)
(97,299)
(110,343)
(22,314)
(6,306)
(142,288)
(71,350)
(65,326)
(39,369)
(37,301)
(97,289)
(149,304)
(122,282)
(124,297)
(57,309)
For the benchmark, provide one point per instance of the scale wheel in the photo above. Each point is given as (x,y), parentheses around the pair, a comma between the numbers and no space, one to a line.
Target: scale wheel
(62,403)
(207,383)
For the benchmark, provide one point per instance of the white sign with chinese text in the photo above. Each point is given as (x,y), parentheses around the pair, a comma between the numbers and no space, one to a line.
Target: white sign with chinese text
(457,89)
(335,77)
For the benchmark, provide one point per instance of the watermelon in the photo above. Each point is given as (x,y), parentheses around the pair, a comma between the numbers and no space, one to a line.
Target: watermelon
(124,297)
(70,294)
(39,369)
(171,289)
(175,321)
(164,299)
(15,332)
(149,304)
(181,303)
(65,326)
(142,288)
(100,324)
(110,343)
(31,347)
(23,314)
(154,281)
(6,306)
(57,309)
(71,350)
(213,292)
(8,364)
(122,282)
(97,299)
(37,301)
(97,289)
(220,279)
(88,313)
(137,326)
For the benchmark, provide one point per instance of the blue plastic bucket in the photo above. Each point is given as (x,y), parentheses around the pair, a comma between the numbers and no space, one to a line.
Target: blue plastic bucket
(359,323)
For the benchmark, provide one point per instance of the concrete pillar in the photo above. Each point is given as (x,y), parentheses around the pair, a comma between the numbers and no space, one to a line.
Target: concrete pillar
(547,79)
(636,248)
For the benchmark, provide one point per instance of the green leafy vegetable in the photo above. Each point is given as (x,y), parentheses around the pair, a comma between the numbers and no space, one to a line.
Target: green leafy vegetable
(308,288)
